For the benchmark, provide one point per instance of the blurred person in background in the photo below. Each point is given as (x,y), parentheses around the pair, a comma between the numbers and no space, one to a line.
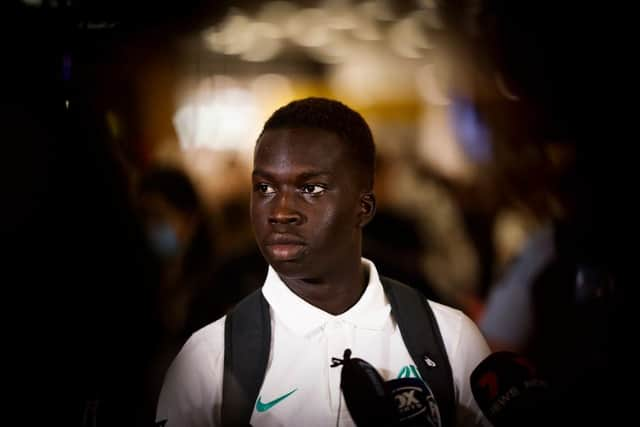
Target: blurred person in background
(394,237)
(239,265)
(547,68)
(179,235)
(507,318)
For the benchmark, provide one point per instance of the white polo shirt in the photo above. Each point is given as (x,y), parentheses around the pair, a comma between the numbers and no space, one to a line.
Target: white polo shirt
(300,388)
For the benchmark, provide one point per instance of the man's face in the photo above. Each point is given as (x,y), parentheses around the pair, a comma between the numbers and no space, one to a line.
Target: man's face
(305,203)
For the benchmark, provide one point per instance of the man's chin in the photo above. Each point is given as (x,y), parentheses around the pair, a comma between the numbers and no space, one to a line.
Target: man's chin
(290,269)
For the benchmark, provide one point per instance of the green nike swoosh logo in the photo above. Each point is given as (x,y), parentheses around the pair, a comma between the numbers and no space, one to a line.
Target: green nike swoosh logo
(261,407)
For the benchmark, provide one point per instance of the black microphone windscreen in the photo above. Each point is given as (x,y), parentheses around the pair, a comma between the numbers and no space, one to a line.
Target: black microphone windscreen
(365,393)
(509,391)
(402,402)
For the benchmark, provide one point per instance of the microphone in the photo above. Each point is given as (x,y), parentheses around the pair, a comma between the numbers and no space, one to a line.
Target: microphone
(509,391)
(414,403)
(364,392)
(402,402)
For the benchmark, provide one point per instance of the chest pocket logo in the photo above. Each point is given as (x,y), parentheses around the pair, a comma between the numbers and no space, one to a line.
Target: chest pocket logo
(265,406)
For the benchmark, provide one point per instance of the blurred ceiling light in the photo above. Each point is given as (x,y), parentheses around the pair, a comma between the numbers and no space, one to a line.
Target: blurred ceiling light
(373,75)
(429,88)
(214,40)
(377,9)
(271,90)
(265,50)
(438,147)
(407,37)
(276,12)
(330,32)
(308,27)
(32,2)
(223,117)
(356,80)
(266,30)
(335,51)
(265,42)
(346,21)
(340,15)
(233,37)
(366,28)
(238,35)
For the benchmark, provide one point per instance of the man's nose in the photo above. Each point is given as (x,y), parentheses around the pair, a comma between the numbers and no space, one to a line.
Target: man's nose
(284,210)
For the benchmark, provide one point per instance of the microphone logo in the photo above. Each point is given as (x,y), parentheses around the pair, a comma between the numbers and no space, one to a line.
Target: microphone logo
(489,382)
(414,401)
(407,401)
(508,391)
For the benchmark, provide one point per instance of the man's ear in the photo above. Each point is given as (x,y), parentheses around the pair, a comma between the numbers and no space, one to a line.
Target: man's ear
(367,208)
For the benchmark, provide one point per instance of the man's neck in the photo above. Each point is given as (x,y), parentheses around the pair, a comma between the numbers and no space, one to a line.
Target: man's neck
(336,295)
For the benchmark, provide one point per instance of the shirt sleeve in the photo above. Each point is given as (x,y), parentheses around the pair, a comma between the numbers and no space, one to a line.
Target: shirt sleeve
(192,388)
(466,347)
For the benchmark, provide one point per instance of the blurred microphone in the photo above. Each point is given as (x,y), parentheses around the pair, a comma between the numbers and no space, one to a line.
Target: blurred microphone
(509,392)
(403,402)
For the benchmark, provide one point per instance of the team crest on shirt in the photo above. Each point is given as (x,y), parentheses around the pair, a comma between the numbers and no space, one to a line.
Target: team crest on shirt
(409,371)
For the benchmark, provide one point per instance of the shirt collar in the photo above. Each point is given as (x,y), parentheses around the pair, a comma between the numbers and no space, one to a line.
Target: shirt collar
(370,312)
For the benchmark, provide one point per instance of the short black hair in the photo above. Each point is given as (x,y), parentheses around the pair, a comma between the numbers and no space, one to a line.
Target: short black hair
(332,116)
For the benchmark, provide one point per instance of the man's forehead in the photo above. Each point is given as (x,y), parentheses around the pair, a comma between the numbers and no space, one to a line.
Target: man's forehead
(300,154)
(300,143)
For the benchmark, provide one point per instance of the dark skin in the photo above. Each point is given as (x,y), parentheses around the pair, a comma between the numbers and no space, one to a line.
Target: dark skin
(308,206)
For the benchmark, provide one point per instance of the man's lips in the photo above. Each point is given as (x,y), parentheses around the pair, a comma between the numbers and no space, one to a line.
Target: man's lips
(284,239)
(284,247)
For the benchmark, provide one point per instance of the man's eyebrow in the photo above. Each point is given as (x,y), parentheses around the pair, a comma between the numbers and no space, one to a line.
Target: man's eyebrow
(315,174)
(261,173)
(305,175)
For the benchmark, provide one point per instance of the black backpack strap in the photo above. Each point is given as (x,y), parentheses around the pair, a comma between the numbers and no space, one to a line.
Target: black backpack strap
(247,341)
(421,335)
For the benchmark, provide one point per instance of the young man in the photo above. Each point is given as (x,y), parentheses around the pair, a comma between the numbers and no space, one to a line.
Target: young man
(312,195)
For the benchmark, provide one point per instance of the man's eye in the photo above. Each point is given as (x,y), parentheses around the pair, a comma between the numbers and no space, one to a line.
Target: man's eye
(312,189)
(265,188)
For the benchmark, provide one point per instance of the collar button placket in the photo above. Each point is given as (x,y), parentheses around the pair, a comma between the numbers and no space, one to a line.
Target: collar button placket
(336,344)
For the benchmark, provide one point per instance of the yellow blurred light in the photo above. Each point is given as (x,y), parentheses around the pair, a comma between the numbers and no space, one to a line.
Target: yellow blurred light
(222,117)
(407,38)
(429,88)
(438,146)
(276,12)
(308,27)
